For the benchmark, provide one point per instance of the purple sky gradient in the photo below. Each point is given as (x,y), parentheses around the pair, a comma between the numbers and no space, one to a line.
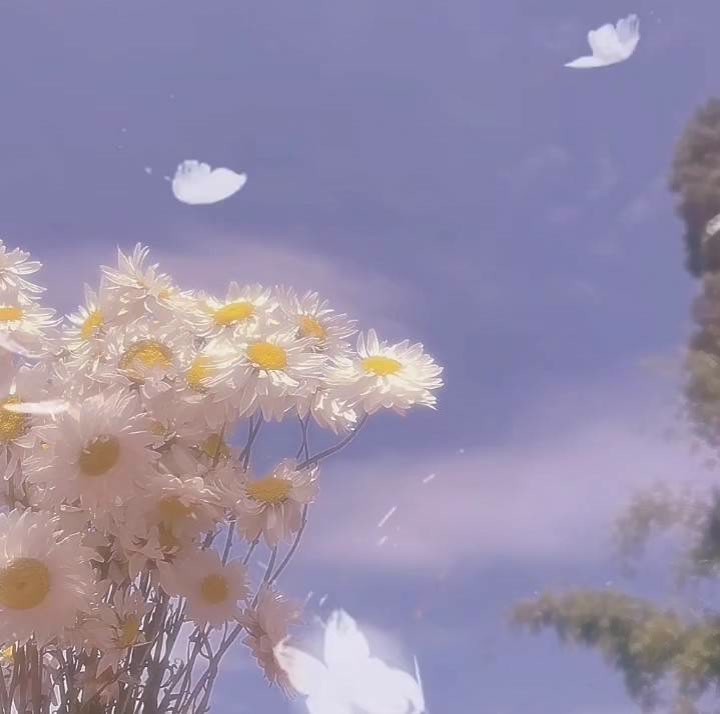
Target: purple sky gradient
(433,168)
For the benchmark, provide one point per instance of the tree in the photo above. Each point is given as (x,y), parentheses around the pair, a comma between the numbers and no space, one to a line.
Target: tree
(668,656)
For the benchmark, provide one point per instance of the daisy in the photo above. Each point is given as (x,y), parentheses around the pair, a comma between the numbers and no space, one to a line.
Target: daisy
(14,265)
(273,372)
(213,590)
(24,321)
(242,310)
(144,355)
(386,376)
(95,453)
(180,509)
(267,626)
(272,506)
(140,289)
(124,619)
(27,384)
(88,326)
(329,411)
(313,319)
(45,580)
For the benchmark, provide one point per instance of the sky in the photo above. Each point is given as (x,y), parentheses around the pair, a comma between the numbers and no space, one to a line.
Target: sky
(434,170)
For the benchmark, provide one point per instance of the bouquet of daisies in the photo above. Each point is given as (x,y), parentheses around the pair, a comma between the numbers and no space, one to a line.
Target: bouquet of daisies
(129,508)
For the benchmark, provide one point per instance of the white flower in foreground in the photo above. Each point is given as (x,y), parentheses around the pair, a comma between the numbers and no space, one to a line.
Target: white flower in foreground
(313,319)
(196,183)
(267,626)
(23,320)
(213,590)
(272,506)
(240,312)
(274,372)
(610,45)
(45,580)
(123,619)
(350,680)
(137,288)
(14,265)
(386,376)
(96,452)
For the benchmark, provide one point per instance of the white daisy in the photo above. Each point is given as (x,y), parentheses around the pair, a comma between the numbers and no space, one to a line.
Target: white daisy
(27,384)
(90,323)
(386,376)
(97,452)
(241,312)
(123,618)
(144,355)
(140,289)
(272,506)
(329,411)
(313,319)
(180,509)
(45,580)
(273,372)
(24,320)
(213,590)
(267,626)
(14,265)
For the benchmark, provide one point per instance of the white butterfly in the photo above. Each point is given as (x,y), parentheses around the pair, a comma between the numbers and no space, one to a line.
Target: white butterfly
(350,680)
(196,183)
(611,45)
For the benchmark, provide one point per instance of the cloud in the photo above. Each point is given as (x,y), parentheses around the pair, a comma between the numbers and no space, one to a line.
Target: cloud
(541,161)
(546,495)
(372,297)
(376,299)
(644,206)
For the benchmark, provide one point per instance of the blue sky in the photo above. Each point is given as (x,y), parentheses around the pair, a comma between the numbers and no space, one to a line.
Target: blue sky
(433,168)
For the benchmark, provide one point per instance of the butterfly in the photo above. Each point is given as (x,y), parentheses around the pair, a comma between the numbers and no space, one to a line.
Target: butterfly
(610,45)
(350,680)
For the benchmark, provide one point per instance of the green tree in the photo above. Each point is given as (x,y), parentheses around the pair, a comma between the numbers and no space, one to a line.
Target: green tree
(669,657)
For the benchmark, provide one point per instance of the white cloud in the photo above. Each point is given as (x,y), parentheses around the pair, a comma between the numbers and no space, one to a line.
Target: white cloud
(543,496)
(209,263)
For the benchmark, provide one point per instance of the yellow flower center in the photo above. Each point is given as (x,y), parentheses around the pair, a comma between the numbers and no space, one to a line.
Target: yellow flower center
(146,354)
(10,313)
(214,446)
(267,356)
(93,322)
(7,654)
(214,589)
(24,584)
(310,327)
(198,372)
(233,313)
(99,456)
(269,490)
(381,366)
(12,424)
(129,631)
(173,510)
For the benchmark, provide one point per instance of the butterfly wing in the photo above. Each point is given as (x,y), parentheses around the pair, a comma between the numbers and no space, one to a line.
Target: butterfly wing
(628,31)
(345,646)
(604,43)
(587,62)
(307,674)
(381,689)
